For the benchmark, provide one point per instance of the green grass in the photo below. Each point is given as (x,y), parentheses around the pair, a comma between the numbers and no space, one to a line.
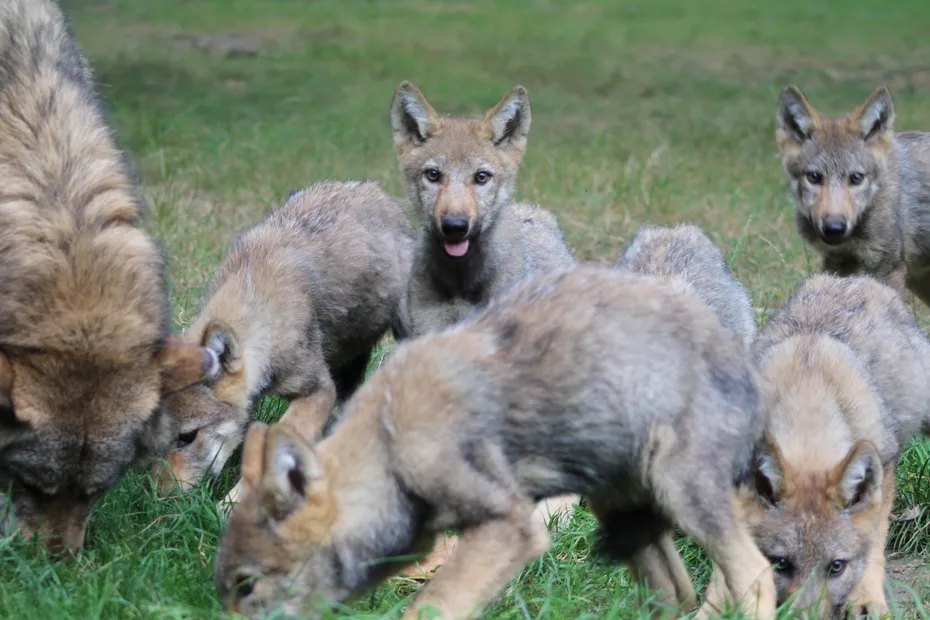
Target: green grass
(643,111)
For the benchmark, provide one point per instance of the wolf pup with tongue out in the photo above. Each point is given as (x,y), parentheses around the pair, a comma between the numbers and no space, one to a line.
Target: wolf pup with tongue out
(475,241)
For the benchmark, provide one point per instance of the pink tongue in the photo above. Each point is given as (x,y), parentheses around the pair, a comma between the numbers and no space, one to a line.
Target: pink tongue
(456,249)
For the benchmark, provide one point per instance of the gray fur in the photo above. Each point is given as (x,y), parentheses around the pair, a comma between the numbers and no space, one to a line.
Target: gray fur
(685,258)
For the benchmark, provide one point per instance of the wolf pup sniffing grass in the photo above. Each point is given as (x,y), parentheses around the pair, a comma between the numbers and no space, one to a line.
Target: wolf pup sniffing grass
(474,242)
(586,381)
(845,369)
(861,189)
(85,347)
(685,258)
(295,309)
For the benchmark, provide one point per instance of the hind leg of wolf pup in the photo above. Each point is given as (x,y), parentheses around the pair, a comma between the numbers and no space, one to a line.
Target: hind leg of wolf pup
(503,537)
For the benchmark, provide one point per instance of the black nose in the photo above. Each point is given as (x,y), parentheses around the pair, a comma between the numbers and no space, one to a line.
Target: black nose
(454,227)
(834,229)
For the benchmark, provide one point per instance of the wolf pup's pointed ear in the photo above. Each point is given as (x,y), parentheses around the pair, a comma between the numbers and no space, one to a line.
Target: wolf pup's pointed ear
(770,474)
(183,365)
(796,119)
(510,119)
(413,119)
(6,382)
(857,481)
(874,119)
(290,467)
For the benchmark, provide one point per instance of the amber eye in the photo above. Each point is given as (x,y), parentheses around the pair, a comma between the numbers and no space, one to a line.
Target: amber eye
(814,177)
(432,175)
(482,177)
(186,439)
(837,567)
(856,178)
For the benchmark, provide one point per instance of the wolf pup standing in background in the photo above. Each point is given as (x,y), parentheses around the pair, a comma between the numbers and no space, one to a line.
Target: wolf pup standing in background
(845,368)
(862,191)
(686,259)
(540,394)
(85,347)
(295,309)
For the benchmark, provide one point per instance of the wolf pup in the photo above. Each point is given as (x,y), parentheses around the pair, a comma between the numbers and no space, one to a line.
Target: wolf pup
(685,258)
(861,189)
(586,381)
(85,346)
(295,309)
(474,241)
(845,369)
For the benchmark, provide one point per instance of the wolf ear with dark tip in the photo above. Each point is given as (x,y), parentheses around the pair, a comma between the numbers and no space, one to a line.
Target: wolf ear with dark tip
(6,382)
(770,474)
(413,119)
(183,365)
(875,117)
(796,119)
(510,119)
(290,467)
(857,481)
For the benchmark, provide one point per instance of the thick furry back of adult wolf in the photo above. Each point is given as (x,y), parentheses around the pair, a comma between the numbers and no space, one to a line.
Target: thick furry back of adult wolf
(84,333)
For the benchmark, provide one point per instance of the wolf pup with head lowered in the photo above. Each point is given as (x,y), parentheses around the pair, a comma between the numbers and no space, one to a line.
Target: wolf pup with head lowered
(475,242)
(85,350)
(586,381)
(862,190)
(845,369)
(685,258)
(295,309)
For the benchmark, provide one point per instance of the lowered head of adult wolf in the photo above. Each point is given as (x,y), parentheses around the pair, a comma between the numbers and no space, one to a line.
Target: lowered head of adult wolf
(584,381)
(838,167)
(85,347)
(459,172)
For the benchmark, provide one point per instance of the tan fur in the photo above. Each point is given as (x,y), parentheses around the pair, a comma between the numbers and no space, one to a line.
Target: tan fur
(84,317)
(540,394)
(845,369)
(295,310)
(865,208)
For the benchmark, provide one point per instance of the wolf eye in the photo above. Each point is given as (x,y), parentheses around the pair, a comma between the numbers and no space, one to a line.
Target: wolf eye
(186,439)
(856,178)
(781,565)
(432,175)
(814,177)
(837,567)
(244,586)
(482,177)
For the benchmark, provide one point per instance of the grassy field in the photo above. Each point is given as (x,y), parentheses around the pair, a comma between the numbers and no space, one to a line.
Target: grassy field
(643,111)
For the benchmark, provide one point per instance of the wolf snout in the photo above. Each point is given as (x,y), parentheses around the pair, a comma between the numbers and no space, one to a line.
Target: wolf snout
(454,228)
(834,230)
